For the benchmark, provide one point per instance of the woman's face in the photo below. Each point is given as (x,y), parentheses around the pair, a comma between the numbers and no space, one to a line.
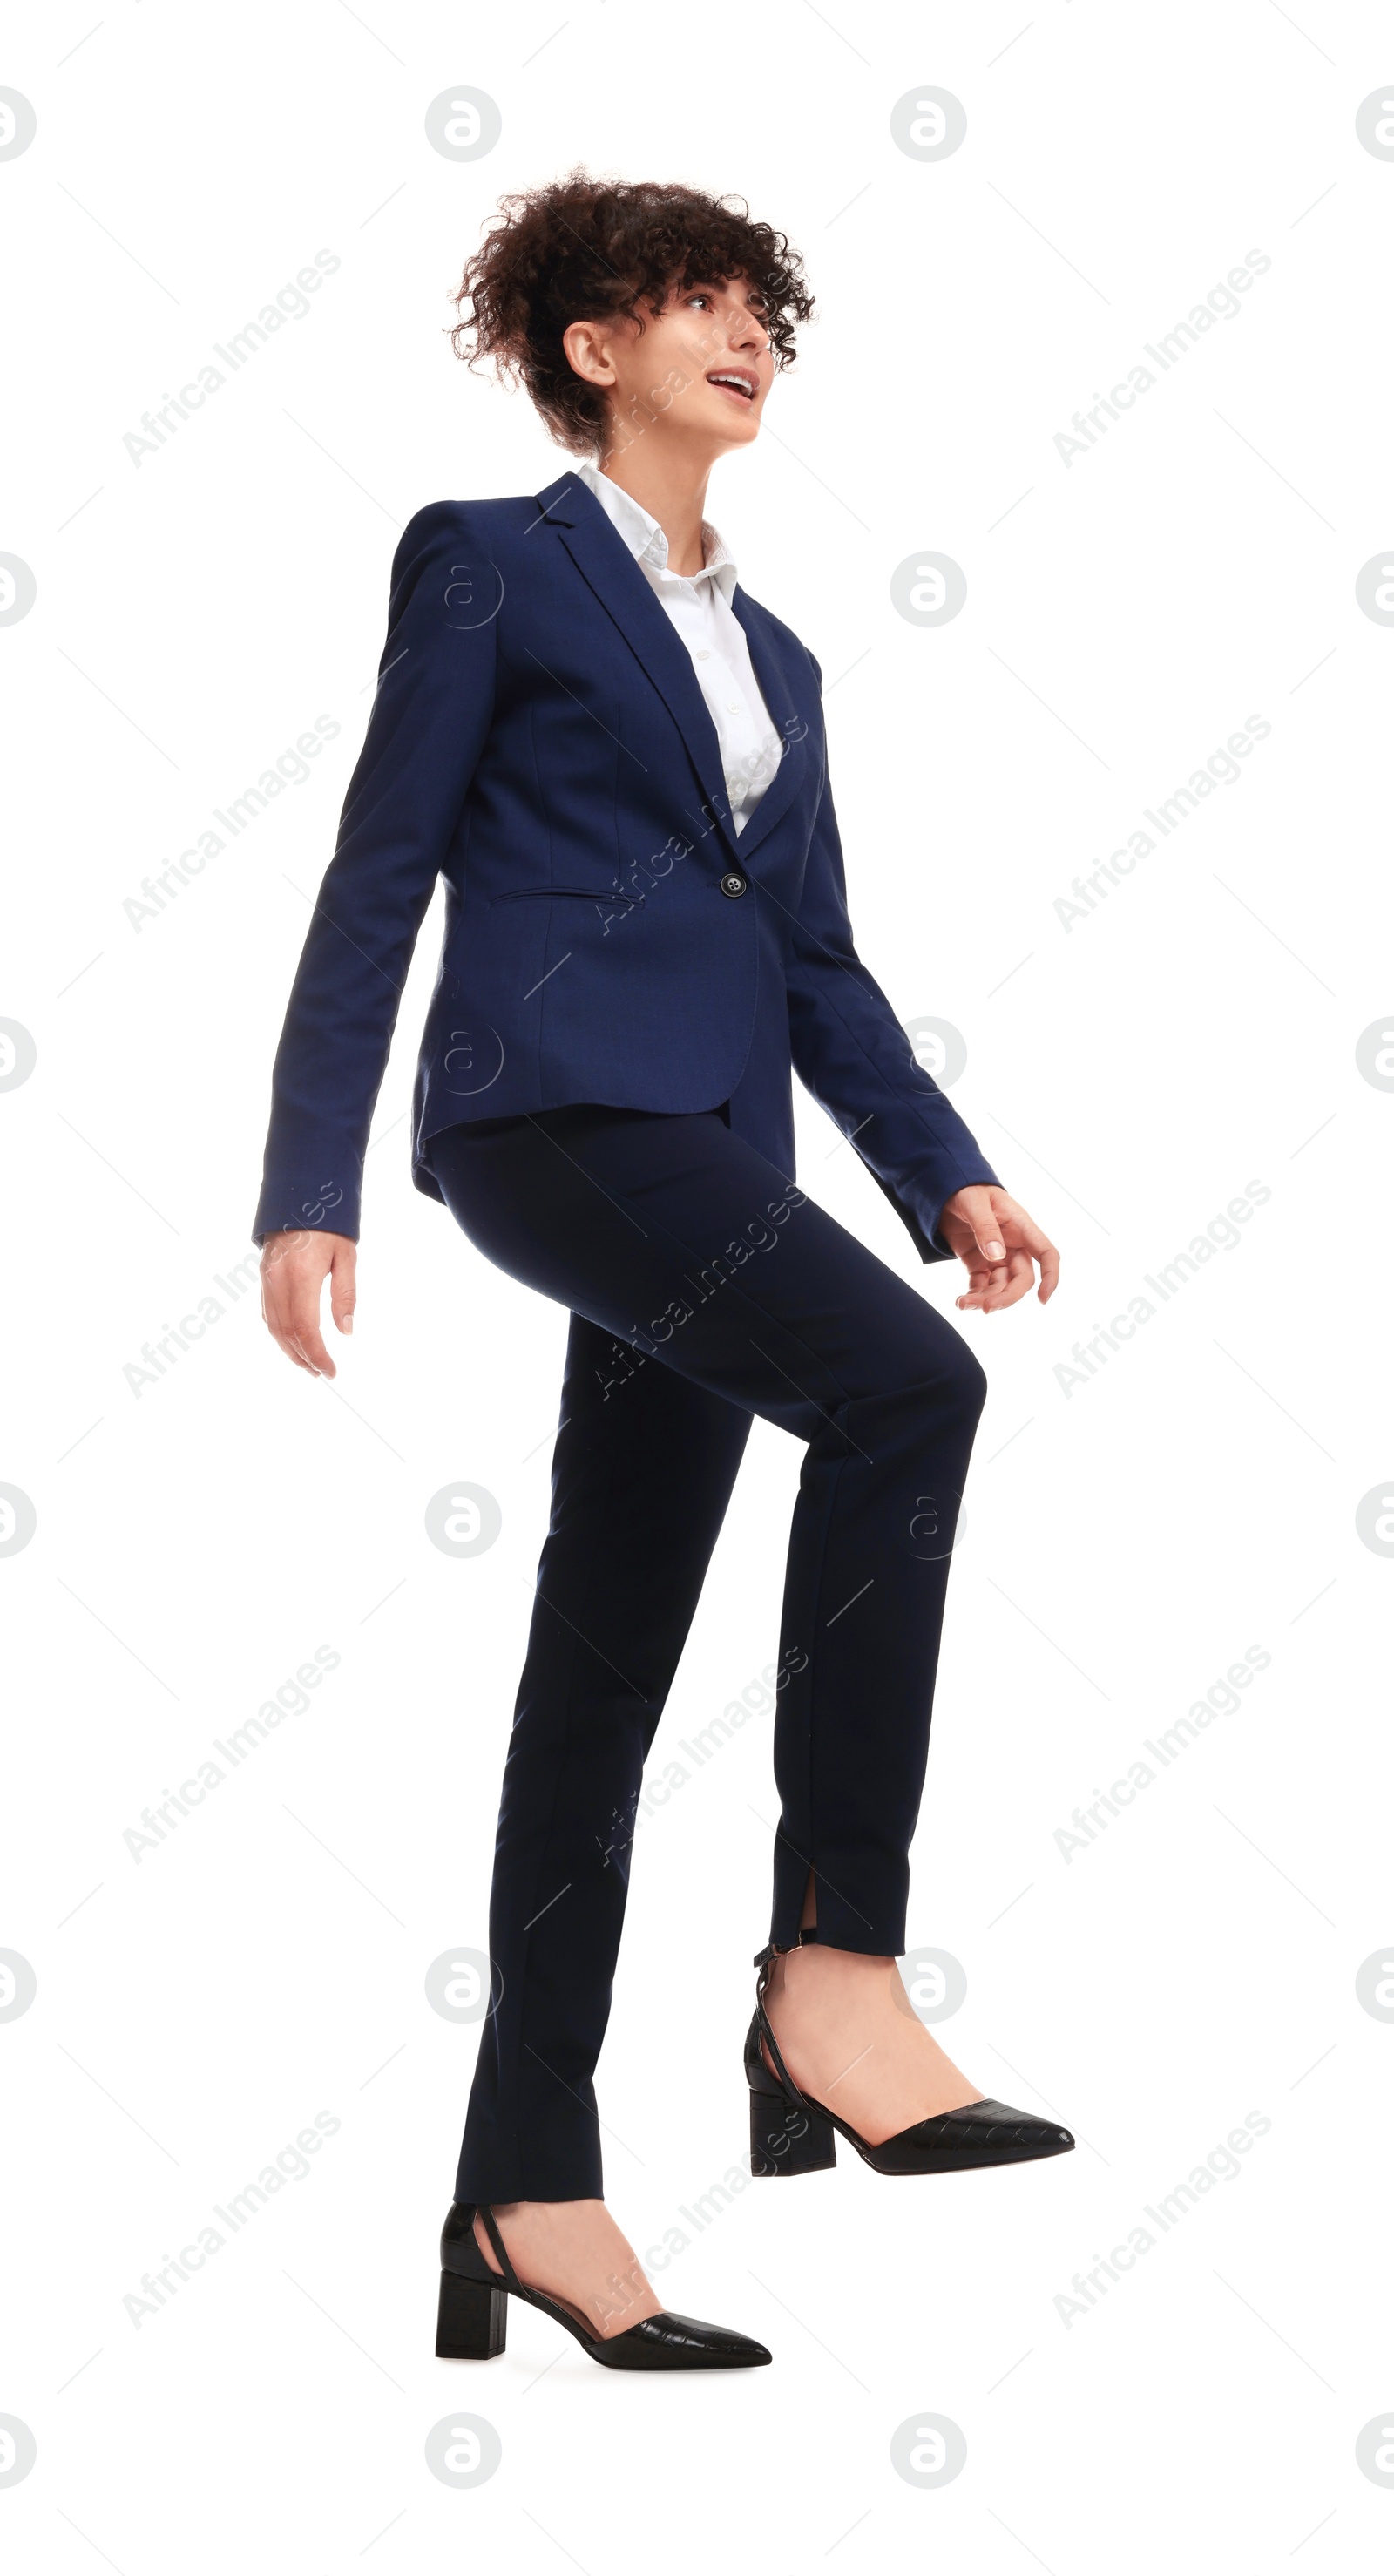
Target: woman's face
(697,373)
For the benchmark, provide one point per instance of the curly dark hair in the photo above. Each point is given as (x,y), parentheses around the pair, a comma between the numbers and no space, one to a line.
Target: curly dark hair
(583,248)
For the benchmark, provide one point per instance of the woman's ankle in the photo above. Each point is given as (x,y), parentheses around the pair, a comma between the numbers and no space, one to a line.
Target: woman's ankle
(817,1966)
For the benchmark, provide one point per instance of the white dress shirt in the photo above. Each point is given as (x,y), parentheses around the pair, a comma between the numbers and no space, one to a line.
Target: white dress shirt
(699,607)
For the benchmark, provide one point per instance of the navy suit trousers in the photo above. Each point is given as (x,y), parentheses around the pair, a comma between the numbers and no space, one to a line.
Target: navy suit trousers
(704,1288)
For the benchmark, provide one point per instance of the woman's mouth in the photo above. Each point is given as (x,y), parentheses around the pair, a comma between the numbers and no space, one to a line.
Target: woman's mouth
(737,383)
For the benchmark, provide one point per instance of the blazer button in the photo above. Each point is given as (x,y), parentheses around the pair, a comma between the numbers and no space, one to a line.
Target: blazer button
(735,884)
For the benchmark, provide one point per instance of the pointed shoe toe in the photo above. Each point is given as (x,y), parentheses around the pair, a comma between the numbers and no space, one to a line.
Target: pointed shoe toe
(668,2342)
(982,2133)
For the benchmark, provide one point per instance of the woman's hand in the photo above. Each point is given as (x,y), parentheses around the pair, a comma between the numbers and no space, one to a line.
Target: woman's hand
(293,1268)
(999,1245)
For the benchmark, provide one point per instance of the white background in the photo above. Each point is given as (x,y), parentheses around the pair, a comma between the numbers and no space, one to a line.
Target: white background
(1127,1540)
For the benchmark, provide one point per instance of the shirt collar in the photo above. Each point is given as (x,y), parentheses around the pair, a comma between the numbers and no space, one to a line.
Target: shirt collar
(646,540)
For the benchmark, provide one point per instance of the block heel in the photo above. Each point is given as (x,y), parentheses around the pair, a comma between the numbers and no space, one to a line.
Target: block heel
(786,2138)
(473,2320)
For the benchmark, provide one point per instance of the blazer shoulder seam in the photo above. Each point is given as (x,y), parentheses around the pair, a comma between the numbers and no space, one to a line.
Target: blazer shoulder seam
(458,513)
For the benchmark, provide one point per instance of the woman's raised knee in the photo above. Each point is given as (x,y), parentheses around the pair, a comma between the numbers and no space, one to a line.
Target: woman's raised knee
(949,1381)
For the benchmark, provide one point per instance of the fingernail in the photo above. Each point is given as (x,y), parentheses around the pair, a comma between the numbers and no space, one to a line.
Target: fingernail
(993,1251)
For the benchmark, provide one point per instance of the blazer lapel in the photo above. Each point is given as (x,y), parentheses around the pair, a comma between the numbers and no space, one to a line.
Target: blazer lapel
(789,719)
(601,556)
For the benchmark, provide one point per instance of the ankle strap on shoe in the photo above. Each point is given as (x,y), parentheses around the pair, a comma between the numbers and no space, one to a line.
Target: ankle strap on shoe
(491,2230)
(765,1962)
(772,1949)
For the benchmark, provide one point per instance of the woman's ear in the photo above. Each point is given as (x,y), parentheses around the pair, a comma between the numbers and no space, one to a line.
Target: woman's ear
(588,351)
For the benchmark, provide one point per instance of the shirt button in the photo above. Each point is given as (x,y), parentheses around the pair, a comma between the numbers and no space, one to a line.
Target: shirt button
(734,884)
(732,709)
(702,654)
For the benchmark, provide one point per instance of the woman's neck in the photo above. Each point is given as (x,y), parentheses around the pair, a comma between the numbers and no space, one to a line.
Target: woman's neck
(671,489)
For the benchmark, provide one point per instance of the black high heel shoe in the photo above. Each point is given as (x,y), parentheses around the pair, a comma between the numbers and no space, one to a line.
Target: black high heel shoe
(473,2324)
(792,2134)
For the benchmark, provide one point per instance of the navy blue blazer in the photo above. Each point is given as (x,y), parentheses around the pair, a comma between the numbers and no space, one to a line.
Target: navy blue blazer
(538,738)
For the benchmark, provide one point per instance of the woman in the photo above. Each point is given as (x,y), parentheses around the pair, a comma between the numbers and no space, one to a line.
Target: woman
(616,760)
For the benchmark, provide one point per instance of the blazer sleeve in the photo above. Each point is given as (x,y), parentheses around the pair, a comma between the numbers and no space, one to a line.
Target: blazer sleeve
(850,1051)
(430,717)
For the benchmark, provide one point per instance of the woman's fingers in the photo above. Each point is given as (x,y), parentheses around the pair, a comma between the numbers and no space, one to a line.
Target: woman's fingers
(1044,1251)
(1009,1281)
(1049,1260)
(992,1290)
(343,1285)
(981,1287)
(1012,1282)
(1007,1246)
(975,1208)
(298,1336)
(303,1327)
(309,1343)
(294,1269)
